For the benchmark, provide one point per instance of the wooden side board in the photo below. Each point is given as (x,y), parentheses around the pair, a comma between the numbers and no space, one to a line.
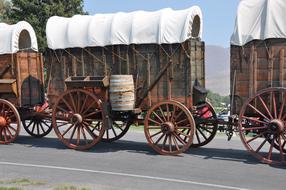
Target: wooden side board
(144,62)
(256,66)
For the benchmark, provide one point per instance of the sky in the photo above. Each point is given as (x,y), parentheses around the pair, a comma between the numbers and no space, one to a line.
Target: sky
(218,15)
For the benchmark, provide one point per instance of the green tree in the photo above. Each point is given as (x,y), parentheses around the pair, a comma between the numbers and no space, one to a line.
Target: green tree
(4,8)
(37,12)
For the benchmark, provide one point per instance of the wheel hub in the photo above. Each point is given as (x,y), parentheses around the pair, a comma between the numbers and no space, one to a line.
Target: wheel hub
(277,125)
(168,127)
(77,118)
(3,121)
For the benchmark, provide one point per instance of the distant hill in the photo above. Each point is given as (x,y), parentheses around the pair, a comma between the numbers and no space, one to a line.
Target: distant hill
(217,69)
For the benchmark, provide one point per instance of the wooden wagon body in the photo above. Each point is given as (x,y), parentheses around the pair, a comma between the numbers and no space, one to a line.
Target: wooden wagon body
(258,65)
(22,78)
(145,62)
(21,83)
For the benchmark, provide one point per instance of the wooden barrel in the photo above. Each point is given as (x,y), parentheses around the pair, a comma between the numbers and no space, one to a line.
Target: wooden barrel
(121,92)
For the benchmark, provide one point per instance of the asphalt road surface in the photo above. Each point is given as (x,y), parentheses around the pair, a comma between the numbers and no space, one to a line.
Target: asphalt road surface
(131,164)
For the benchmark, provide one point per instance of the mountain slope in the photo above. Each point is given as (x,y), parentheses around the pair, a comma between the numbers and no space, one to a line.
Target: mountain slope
(217,69)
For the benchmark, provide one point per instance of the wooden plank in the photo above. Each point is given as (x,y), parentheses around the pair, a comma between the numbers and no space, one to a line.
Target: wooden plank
(255,72)
(281,67)
(251,72)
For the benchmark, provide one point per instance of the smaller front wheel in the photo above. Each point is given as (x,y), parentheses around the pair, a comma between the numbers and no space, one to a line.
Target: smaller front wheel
(169,128)
(38,123)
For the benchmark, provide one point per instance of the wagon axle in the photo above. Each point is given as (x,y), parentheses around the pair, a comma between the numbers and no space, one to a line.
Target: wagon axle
(277,126)
(77,118)
(3,121)
(167,127)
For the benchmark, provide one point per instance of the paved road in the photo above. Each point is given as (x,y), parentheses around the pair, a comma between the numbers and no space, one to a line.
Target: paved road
(131,164)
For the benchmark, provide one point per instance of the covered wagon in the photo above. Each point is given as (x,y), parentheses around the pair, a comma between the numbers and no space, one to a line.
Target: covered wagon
(258,75)
(21,83)
(109,71)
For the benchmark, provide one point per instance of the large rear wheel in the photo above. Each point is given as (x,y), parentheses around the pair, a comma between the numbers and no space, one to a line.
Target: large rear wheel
(75,117)
(9,122)
(262,125)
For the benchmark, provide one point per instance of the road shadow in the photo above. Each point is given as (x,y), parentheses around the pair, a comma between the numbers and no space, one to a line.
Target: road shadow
(234,155)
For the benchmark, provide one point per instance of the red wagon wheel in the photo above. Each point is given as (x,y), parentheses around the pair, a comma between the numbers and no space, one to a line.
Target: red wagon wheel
(9,122)
(262,125)
(169,128)
(75,117)
(206,125)
(39,122)
(116,131)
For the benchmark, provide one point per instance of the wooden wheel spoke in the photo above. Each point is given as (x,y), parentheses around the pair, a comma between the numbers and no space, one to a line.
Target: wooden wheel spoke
(5,135)
(114,132)
(9,132)
(255,109)
(73,103)
(158,140)
(180,139)
(274,104)
(119,127)
(68,129)
(260,146)
(155,134)
(68,106)
(162,121)
(184,127)
(209,130)
(173,113)
(153,127)
(254,119)
(255,137)
(178,116)
(42,127)
(162,113)
(89,132)
(88,108)
(269,155)
(83,134)
(62,109)
(78,135)
(73,132)
(9,126)
(34,125)
(91,114)
(168,112)
(164,142)
(197,136)
(198,129)
(84,102)
(175,142)
(182,133)
(38,128)
(265,107)
(154,121)
(30,123)
(182,121)
(170,143)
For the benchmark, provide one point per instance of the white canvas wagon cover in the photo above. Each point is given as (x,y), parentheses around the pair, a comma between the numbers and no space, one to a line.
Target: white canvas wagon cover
(20,36)
(259,20)
(139,27)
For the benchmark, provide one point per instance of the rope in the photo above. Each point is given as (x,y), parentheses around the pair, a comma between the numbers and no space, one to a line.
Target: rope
(97,59)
